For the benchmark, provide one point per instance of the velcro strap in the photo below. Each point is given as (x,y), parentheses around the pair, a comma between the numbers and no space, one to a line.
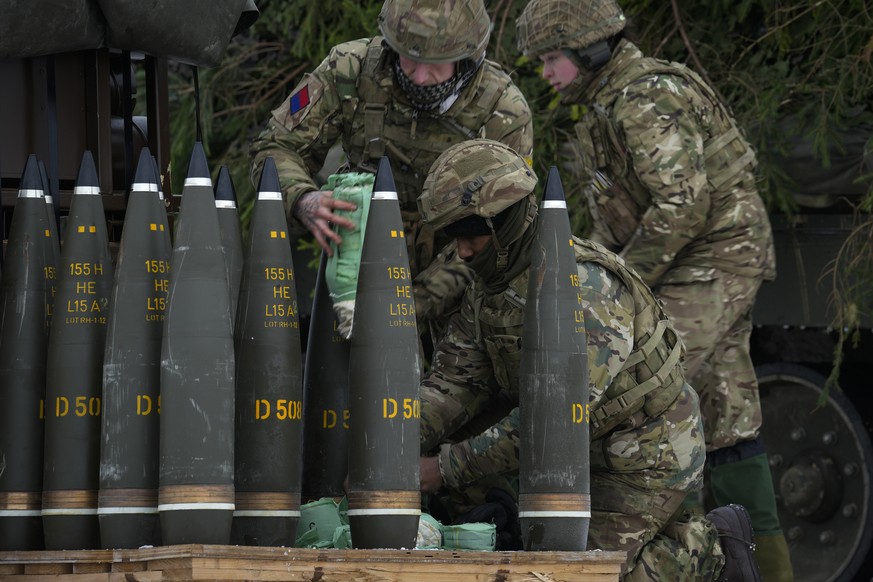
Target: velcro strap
(731,174)
(374,123)
(720,142)
(615,406)
(645,350)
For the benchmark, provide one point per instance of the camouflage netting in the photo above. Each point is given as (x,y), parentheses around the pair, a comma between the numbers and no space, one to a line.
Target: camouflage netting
(547,25)
(481,177)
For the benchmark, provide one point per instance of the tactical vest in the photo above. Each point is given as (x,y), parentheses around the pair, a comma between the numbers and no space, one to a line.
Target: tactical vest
(376,124)
(616,196)
(651,378)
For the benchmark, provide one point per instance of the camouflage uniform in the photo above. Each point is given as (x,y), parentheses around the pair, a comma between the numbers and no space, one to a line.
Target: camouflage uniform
(671,188)
(352,98)
(646,454)
(642,465)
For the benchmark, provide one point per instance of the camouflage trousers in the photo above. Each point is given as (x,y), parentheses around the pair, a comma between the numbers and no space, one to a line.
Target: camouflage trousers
(714,319)
(662,542)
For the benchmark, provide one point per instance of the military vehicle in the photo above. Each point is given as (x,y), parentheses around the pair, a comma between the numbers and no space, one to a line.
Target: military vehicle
(818,440)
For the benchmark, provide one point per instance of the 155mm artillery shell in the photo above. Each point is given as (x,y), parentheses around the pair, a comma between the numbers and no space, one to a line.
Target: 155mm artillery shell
(74,385)
(554,500)
(326,400)
(195,495)
(25,295)
(384,491)
(269,392)
(128,497)
(231,234)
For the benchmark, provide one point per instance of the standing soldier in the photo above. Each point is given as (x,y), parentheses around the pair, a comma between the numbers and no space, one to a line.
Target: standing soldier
(409,94)
(646,449)
(671,187)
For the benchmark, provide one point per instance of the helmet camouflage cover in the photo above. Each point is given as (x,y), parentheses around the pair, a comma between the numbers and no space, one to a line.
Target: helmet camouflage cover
(436,31)
(547,25)
(479,177)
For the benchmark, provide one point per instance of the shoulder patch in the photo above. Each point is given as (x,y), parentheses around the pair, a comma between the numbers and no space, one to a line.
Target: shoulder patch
(305,95)
(300,99)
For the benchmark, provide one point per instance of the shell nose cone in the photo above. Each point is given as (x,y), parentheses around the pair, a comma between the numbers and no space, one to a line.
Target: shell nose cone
(197,167)
(224,189)
(554,190)
(30,177)
(145,168)
(384,181)
(87,176)
(269,181)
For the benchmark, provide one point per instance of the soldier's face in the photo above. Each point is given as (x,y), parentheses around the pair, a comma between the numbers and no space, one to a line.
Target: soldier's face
(558,69)
(426,73)
(470,246)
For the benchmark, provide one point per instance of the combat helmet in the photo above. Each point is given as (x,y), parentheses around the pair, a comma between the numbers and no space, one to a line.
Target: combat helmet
(436,31)
(476,179)
(547,25)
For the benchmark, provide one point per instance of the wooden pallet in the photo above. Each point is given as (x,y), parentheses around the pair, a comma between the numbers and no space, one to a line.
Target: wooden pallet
(219,563)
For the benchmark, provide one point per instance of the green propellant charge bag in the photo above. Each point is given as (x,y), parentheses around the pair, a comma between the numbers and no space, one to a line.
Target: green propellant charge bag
(480,537)
(341,271)
(321,517)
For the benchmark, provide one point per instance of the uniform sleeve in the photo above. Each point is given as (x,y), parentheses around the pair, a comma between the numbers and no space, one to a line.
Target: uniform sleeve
(512,123)
(300,132)
(609,324)
(665,145)
(461,385)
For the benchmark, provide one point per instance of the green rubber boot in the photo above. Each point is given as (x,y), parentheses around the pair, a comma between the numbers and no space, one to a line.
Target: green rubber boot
(749,483)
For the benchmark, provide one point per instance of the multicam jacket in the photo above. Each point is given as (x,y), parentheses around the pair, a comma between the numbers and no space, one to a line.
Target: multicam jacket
(671,176)
(351,98)
(635,375)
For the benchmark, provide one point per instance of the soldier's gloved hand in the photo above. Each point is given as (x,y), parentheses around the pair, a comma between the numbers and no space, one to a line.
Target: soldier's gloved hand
(341,271)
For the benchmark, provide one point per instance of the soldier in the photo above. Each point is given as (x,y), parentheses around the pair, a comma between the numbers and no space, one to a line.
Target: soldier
(671,188)
(408,94)
(647,453)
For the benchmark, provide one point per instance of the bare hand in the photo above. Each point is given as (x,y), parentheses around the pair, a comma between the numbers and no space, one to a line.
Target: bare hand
(315,210)
(431,479)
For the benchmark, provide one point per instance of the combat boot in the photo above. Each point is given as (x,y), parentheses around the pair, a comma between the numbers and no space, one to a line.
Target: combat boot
(737,542)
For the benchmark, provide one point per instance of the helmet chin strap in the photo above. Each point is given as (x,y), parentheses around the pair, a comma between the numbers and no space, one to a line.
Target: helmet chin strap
(502,253)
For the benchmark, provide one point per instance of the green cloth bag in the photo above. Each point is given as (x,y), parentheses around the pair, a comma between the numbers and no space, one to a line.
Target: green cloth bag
(323,518)
(341,271)
(430,535)
(480,537)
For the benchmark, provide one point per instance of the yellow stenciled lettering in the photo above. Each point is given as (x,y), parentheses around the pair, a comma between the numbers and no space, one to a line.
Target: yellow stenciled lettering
(401,309)
(389,408)
(143,404)
(86,406)
(62,406)
(398,273)
(329,418)
(262,414)
(411,408)
(578,412)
